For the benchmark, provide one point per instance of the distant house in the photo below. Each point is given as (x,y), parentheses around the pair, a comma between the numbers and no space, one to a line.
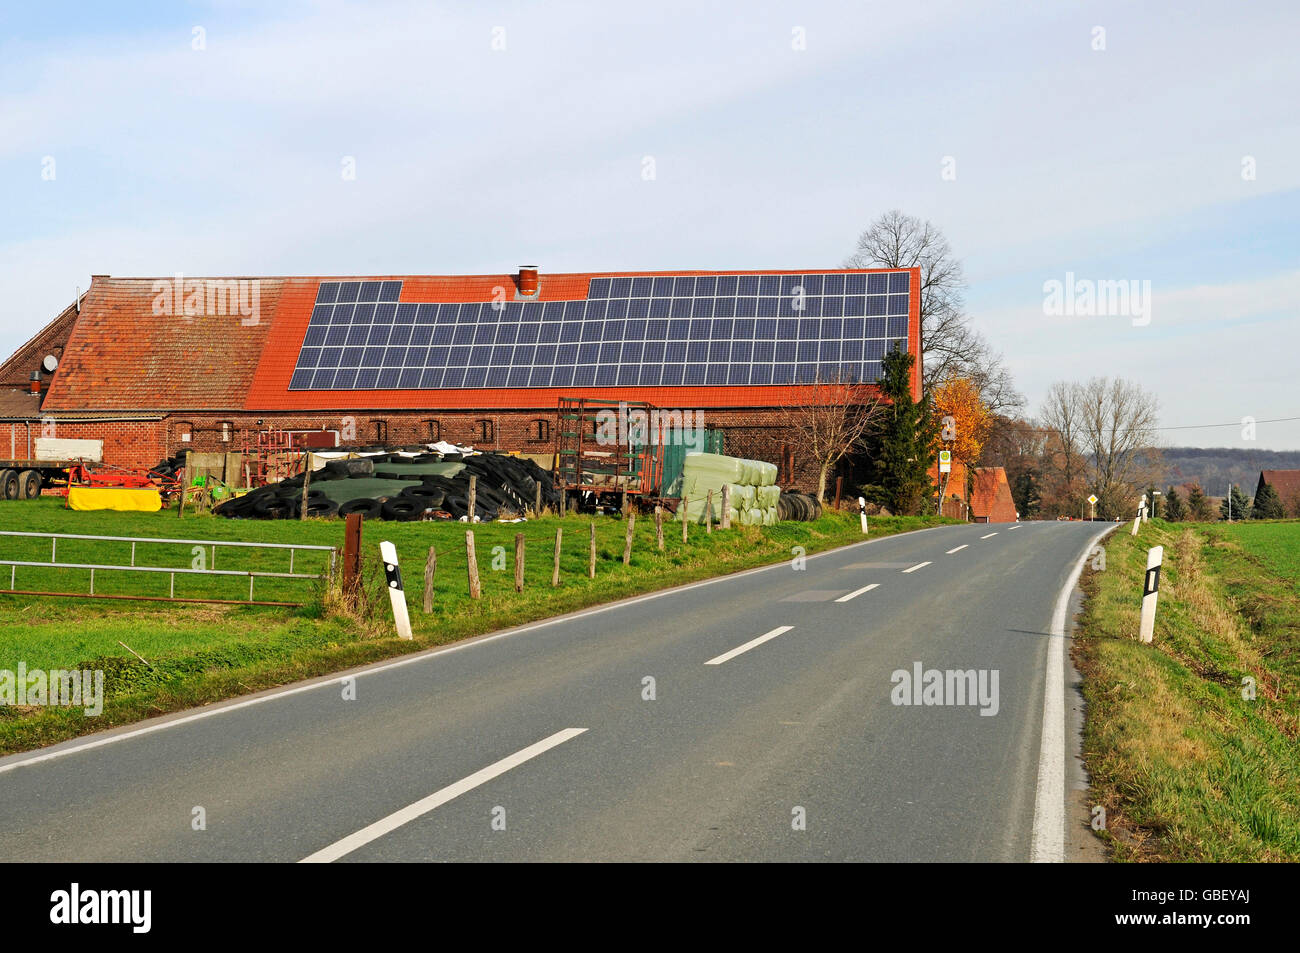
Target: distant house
(1287,485)
(990,499)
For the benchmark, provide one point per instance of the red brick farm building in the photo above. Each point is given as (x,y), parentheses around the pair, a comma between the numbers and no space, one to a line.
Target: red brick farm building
(154,366)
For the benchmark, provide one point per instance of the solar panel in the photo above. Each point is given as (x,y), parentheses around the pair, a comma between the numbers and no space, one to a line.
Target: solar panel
(647,330)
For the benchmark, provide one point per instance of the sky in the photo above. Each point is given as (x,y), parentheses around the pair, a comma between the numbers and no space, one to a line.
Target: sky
(1079,143)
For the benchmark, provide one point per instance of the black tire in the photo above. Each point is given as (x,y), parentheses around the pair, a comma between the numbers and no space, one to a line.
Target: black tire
(324,508)
(9,488)
(29,484)
(272,507)
(368,508)
(430,496)
(351,468)
(403,508)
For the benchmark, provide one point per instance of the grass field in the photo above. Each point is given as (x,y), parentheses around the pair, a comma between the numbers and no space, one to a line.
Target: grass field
(198,653)
(1187,768)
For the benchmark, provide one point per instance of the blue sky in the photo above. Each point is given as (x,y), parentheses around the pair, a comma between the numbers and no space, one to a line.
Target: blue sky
(1122,163)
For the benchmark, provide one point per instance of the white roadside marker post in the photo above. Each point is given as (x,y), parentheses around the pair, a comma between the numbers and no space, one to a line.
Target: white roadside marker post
(396,594)
(1151,592)
(862,513)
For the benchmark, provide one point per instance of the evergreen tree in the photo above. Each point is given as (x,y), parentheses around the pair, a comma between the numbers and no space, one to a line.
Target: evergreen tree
(1153,502)
(1024,490)
(1198,507)
(1267,505)
(1240,504)
(1173,508)
(899,450)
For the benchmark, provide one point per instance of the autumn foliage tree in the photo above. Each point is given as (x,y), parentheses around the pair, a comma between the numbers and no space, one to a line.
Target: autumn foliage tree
(963,419)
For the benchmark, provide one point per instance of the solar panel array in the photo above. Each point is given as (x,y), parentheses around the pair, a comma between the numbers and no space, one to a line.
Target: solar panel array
(647,331)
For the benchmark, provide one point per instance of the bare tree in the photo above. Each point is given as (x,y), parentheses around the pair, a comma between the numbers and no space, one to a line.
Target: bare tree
(1100,435)
(950,347)
(1119,422)
(831,419)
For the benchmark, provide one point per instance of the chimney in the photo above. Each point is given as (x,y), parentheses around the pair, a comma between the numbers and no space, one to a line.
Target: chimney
(35,386)
(528,280)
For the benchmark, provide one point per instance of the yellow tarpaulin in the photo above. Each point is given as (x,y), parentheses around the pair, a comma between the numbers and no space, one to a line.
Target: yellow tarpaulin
(113,498)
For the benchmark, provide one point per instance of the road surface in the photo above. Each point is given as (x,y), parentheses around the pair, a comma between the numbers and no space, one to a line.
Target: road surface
(753,717)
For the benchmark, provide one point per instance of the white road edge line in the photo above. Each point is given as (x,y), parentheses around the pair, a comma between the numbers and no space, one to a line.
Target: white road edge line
(1012,527)
(752,643)
(857,592)
(423,806)
(1047,840)
(918,566)
(987,536)
(957,550)
(10,762)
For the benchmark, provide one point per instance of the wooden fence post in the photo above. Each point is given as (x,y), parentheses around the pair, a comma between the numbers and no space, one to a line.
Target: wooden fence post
(591,558)
(659,526)
(472,564)
(537,503)
(306,482)
(519,562)
(627,542)
(725,522)
(555,568)
(352,558)
(686,516)
(473,499)
(430,567)
(708,514)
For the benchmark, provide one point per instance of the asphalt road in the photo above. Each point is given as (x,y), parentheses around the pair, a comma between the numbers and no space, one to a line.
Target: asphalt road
(539,744)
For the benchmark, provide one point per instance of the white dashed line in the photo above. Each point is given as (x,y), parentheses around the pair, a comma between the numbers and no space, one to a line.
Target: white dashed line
(857,592)
(990,534)
(1013,527)
(423,806)
(918,566)
(752,643)
(957,549)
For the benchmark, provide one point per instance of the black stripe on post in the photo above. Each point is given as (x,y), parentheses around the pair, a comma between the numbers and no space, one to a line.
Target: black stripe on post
(1152,581)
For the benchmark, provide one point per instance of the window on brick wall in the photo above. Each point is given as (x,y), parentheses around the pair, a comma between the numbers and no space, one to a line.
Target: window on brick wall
(432,431)
(227,429)
(484,431)
(539,430)
(380,430)
(184,431)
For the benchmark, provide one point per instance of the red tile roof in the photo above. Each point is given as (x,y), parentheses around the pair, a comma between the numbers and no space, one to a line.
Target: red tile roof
(1286,482)
(991,498)
(123,354)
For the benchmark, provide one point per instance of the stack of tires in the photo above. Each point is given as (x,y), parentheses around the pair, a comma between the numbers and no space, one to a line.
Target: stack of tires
(799,507)
(398,487)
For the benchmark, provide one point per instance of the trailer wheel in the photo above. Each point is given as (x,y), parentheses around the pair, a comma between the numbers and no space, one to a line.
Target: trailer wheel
(9,484)
(29,484)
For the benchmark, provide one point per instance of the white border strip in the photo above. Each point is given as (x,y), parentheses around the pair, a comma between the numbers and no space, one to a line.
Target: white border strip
(1047,841)
(392,822)
(918,566)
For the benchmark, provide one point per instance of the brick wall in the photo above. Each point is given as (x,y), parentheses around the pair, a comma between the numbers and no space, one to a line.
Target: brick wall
(758,434)
(136,443)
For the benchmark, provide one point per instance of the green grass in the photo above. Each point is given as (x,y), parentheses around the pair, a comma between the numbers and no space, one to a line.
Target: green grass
(199,653)
(1188,769)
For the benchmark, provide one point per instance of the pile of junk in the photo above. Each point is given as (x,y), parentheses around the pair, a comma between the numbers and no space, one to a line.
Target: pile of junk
(420,483)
